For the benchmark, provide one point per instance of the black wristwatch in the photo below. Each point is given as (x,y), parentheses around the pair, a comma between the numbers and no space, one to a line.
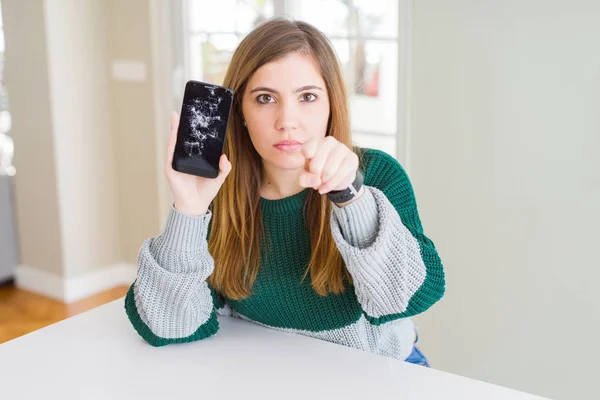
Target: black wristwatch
(342,196)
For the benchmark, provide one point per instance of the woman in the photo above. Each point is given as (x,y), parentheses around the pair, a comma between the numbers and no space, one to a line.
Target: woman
(289,235)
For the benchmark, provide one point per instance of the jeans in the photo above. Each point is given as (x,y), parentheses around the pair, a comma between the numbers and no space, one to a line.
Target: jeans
(417,357)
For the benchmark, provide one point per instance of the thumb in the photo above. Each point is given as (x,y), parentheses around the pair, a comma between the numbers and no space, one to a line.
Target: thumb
(224,168)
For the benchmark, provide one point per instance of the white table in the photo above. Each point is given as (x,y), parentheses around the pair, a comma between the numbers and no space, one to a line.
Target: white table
(98,355)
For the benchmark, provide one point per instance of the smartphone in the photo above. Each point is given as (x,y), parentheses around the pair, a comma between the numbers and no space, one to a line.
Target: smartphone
(202,126)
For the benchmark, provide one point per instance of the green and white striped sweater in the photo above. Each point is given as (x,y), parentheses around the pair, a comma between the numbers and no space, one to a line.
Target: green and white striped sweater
(395,269)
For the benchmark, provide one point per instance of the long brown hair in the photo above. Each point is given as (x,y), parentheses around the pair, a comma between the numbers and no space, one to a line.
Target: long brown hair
(237,229)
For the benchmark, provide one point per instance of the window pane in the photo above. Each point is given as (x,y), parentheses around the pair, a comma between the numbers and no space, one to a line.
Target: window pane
(329,16)
(227,15)
(363,18)
(210,55)
(371,74)
(343,50)
(383,143)
(375,18)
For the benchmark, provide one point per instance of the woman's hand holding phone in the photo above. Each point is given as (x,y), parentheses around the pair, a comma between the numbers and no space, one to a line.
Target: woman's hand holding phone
(192,194)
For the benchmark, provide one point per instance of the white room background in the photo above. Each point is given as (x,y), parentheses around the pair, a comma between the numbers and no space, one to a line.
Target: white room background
(494,109)
(367,35)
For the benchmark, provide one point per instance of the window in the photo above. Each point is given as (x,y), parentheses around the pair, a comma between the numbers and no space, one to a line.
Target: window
(4,117)
(6,143)
(364,33)
(365,36)
(212,37)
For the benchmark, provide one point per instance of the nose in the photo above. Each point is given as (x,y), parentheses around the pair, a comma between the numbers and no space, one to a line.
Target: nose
(287,116)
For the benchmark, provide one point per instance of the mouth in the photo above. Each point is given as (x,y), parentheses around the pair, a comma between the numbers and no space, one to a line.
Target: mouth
(288,145)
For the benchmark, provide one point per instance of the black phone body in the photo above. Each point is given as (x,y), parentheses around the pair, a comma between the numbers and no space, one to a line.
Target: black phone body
(202,126)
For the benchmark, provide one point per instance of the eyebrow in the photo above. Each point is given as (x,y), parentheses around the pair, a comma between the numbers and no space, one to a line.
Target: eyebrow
(300,89)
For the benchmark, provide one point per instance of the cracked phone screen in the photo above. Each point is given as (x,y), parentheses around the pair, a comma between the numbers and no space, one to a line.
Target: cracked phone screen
(202,126)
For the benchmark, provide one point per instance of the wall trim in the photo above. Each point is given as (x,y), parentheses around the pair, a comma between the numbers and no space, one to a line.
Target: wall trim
(405,61)
(163,85)
(72,289)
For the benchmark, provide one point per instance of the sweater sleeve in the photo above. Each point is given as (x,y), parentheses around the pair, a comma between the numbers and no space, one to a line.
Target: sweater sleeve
(170,300)
(395,268)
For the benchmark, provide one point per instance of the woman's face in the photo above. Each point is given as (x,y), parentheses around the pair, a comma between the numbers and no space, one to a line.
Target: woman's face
(284,105)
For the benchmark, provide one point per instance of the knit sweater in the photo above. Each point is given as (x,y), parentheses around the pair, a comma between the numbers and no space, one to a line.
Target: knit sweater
(395,269)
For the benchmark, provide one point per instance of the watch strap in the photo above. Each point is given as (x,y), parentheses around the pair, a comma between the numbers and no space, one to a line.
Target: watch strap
(342,196)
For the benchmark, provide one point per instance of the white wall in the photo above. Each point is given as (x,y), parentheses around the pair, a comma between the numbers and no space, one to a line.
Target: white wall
(505,159)
(35,185)
(138,161)
(83,137)
(86,146)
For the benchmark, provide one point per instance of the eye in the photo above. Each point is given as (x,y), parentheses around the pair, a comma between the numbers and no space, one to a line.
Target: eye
(265,98)
(308,97)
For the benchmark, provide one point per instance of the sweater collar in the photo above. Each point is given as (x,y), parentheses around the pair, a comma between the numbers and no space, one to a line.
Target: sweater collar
(290,204)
